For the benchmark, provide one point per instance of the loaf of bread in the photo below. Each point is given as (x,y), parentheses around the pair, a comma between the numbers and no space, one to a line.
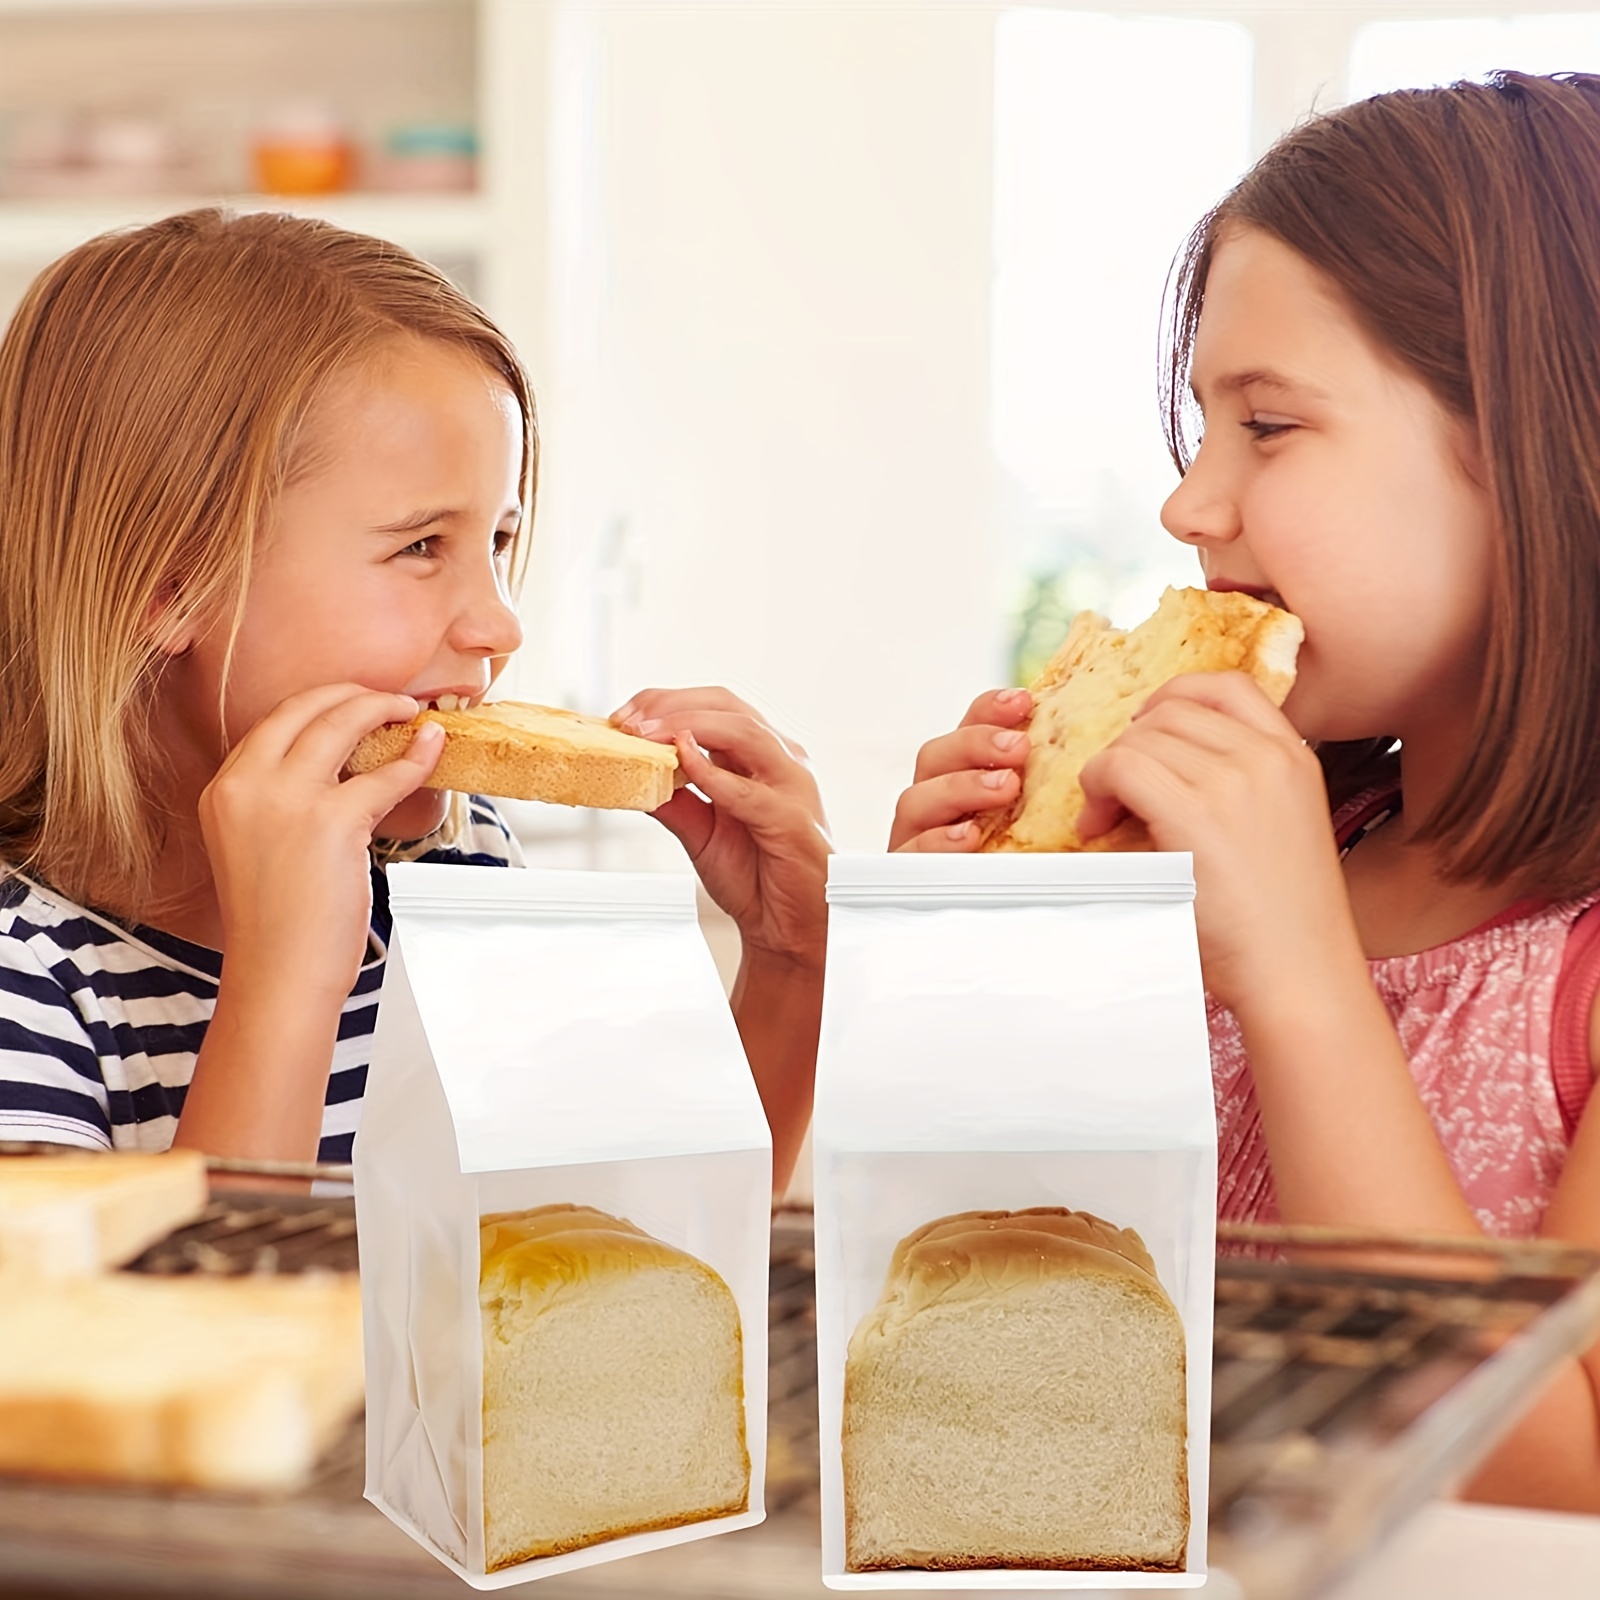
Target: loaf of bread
(86,1210)
(527,752)
(1017,1399)
(613,1385)
(1100,677)
(224,1383)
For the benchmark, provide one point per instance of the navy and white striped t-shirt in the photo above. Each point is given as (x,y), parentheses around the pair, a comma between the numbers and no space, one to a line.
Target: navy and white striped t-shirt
(100,1024)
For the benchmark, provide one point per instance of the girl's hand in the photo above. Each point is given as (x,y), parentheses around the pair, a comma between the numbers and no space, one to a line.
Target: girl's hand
(758,839)
(288,838)
(976,768)
(1211,766)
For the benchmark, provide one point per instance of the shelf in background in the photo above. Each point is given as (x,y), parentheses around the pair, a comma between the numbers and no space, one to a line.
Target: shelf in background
(33,232)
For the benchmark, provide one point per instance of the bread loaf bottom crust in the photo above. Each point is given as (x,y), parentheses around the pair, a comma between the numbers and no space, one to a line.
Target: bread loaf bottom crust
(947,1563)
(562,1547)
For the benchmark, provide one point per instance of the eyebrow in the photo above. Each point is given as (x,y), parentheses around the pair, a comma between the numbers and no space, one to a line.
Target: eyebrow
(426,519)
(1260,378)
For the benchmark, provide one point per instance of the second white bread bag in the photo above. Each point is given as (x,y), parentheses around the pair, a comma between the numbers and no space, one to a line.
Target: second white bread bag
(563,1194)
(1015,1168)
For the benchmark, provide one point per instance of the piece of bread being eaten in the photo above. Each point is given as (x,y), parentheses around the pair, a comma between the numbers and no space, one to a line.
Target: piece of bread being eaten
(529,752)
(613,1385)
(1099,678)
(1016,1399)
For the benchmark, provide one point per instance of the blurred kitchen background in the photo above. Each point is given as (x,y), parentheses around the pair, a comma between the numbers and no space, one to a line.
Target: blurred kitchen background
(842,316)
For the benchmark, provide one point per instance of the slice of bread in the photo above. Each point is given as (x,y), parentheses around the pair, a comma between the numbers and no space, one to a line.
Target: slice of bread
(225,1383)
(1017,1399)
(77,1213)
(613,1385)
(527,752)
(1101,675)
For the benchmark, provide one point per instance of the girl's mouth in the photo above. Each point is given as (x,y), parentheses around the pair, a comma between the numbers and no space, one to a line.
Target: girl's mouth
(1256,591)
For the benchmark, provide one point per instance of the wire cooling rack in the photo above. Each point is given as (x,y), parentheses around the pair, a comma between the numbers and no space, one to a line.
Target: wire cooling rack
(1355,1376)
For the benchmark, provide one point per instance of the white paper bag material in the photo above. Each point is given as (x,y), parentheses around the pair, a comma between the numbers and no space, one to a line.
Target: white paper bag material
(543,1038)
(999,1032)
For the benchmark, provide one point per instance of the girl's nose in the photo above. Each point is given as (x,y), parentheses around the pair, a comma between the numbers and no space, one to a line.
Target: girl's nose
(487,624)
(1200,511)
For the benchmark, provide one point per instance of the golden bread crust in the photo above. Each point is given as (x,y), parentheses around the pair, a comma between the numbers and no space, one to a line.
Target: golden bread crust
(520,751)
(976,1254)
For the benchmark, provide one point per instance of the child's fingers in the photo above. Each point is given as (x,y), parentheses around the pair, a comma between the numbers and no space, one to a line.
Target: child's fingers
(378,792)
(680,704)
(740,743)
(1124,778)
(338,711)
(689,819)
(937,803)
(1233,694)
(972,745)
(1001,708)
(325,742)
(955,838)
(765,811)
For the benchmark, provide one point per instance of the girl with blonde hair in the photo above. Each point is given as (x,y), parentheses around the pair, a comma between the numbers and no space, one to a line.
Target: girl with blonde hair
(264,486)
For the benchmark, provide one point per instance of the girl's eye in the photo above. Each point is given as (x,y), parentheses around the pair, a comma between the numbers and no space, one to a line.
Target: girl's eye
(1260,430)
(420,547)
(503,542)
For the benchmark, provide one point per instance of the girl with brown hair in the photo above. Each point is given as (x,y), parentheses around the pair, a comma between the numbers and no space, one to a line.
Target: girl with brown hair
(264,485)
(1384,398)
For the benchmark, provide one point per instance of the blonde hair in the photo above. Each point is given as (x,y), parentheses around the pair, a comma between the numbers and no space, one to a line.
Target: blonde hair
(151,386)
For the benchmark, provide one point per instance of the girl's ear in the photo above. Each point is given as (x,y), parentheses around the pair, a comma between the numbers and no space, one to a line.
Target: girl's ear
(170,632)
(1472,455)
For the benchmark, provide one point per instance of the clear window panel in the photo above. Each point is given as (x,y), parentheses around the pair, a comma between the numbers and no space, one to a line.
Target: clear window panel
(1423,54)
(1113,136)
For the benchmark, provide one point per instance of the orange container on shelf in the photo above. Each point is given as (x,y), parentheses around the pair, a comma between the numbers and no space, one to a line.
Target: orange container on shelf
(302,150)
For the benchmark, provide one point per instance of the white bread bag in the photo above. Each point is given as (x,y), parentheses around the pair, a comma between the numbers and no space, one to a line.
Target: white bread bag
(563,1194)
(1015,1169)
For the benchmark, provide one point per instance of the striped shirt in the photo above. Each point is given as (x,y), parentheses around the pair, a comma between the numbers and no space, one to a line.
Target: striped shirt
(100,1024)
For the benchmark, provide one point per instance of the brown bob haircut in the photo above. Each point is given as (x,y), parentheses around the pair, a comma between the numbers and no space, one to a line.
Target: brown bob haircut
(152,386)
(1462,226)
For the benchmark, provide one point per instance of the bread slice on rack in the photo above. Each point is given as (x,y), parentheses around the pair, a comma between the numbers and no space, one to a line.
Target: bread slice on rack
(75,1213)
(224,1383)
(529,752)
(1099,678)
(1017,1398)
(613,1385)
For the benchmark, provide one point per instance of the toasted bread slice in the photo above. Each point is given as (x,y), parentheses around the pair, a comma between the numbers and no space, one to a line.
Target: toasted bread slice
(67,1215)
(528,752)
(1100,677)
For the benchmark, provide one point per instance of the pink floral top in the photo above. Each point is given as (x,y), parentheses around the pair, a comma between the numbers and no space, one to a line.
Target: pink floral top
(1495,1025)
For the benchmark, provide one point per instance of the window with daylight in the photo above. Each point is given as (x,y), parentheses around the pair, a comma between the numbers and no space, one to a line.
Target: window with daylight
(1420,54)
(1113,136)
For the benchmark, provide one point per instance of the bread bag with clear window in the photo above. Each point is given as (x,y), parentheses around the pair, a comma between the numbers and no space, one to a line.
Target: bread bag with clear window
(563,1191)
(1015,1170)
